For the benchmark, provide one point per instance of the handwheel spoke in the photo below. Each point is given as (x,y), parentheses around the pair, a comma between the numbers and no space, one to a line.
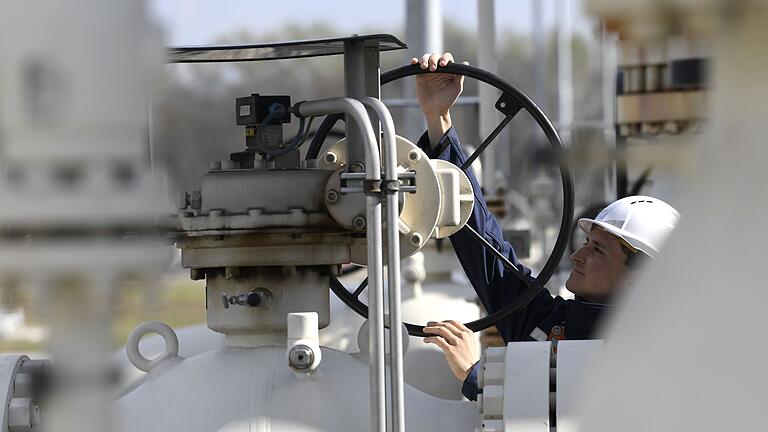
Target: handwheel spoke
(487,142)
(360,288)
(504,260)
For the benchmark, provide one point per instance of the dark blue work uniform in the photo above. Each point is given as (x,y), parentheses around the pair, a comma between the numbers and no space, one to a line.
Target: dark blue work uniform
(545,317)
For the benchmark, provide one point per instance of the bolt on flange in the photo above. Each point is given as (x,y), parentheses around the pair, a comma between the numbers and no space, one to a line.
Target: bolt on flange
(330,158)
(359,223)
(332,196)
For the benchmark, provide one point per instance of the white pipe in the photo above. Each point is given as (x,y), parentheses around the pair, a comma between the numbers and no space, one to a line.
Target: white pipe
(359,115)
(389,150)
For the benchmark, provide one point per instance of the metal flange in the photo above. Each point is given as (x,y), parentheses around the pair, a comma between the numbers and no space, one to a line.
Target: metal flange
(420,211)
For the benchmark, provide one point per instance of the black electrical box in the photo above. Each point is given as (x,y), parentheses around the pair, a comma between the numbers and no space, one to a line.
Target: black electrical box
(254,109)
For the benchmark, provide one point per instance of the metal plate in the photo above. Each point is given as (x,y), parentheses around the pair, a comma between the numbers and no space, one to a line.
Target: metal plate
(282,50)
(573,360)
(526,387)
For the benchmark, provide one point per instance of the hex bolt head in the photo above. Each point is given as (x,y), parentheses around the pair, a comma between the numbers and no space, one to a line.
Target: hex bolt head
(332,196)
(359,222)
(416,239)
(301,357)
(330,158)
(414,156)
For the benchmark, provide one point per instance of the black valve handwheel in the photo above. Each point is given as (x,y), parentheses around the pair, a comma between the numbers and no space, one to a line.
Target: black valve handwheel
(510,103)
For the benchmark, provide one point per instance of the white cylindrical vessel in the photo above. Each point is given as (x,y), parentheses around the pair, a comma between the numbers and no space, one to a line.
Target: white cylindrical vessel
(254,390)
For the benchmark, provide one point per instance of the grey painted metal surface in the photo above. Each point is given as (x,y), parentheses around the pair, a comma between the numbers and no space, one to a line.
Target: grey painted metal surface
(574,360)
(253,389)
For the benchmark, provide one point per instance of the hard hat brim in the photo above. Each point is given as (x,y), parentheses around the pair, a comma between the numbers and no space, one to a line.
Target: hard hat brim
(586,225)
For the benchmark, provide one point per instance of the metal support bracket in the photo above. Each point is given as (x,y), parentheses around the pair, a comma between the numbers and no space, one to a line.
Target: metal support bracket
(356,183)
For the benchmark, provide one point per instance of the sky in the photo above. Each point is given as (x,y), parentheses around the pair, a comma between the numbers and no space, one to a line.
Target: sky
(199,22)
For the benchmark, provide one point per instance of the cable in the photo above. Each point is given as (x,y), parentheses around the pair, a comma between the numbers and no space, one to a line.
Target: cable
(322,132)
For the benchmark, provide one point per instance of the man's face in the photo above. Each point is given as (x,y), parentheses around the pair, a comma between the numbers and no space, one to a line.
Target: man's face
(598,267)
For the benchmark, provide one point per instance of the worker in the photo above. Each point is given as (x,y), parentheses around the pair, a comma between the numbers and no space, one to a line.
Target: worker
(626,233)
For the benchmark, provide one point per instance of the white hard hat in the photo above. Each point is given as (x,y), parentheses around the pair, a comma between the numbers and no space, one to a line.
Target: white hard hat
(642,221)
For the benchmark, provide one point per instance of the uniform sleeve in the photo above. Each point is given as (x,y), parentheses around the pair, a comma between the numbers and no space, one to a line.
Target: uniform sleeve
(494,284)
(469,388)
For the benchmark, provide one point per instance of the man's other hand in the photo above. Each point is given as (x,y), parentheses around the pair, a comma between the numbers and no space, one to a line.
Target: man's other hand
(458,344)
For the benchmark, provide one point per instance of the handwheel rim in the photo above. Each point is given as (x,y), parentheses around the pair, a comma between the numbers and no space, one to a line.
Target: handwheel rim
(534,285)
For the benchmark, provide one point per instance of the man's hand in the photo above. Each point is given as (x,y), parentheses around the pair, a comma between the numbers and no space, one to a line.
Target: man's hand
(437,93)
(458,344)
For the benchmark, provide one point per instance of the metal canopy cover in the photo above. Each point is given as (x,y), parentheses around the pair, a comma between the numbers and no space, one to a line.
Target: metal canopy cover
(281,50)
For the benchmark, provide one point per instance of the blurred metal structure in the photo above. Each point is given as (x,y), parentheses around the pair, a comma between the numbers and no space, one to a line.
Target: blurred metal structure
(693,366)
(79,205)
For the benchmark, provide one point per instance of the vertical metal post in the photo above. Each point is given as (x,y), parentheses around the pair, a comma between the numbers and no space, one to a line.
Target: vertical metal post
(539,56)
(423,34)
(488,115)
(564,71)
(608,44)
(361,79)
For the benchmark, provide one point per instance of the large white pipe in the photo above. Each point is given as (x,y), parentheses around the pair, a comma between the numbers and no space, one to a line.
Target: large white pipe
(389,150)
(356,111)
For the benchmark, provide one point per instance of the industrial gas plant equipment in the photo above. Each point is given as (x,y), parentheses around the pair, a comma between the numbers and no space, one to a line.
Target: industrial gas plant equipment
(268,232)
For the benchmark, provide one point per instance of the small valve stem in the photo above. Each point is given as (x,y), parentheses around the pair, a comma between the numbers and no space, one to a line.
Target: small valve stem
(256,298)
